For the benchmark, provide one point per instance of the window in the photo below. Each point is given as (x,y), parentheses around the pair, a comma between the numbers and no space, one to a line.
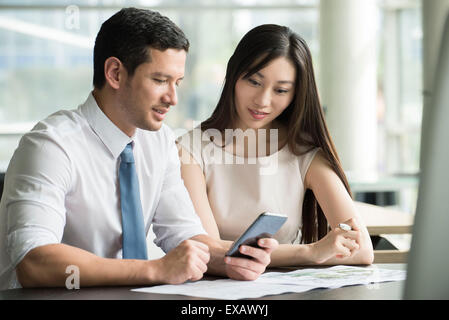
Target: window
(46,62)
(400,95)
(46,53)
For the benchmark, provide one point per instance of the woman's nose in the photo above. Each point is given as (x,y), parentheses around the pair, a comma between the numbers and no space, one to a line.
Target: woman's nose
(263,98)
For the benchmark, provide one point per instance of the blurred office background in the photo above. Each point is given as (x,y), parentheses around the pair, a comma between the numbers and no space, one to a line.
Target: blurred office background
(373,61)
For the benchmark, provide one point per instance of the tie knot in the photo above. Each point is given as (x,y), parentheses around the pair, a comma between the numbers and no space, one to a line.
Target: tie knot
(127,154)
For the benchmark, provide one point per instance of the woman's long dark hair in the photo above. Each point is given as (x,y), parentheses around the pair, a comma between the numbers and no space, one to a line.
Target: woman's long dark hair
(303,118)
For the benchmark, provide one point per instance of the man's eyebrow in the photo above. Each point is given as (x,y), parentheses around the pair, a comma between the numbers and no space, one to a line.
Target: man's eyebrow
(164,75)
(161,74)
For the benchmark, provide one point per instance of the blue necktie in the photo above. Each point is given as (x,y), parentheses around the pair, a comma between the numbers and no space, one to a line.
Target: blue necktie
(134,242)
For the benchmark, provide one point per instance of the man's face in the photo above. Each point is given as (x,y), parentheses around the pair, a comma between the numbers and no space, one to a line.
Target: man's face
(148,94)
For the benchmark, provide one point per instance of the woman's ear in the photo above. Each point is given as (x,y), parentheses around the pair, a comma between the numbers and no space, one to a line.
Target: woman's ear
(113,72)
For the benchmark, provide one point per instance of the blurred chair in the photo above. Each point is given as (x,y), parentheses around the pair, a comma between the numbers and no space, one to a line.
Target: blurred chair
(382,221)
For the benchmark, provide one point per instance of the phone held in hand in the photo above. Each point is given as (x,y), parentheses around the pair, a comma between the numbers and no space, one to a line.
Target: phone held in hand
(265,226)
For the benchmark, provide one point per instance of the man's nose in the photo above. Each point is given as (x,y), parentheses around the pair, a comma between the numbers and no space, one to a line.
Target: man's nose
(171,96)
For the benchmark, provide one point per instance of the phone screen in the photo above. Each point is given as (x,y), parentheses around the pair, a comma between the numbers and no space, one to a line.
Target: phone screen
(265,226)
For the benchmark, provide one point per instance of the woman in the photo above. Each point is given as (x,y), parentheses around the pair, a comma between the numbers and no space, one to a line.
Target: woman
(270,99)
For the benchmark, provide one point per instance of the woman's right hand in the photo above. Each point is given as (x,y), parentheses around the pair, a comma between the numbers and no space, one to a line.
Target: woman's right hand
(338,243)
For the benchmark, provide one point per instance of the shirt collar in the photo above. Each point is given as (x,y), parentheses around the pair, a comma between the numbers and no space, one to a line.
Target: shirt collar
(112,137)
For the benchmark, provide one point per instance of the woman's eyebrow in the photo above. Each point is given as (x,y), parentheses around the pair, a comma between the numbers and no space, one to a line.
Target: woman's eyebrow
(286,82)
(280,81)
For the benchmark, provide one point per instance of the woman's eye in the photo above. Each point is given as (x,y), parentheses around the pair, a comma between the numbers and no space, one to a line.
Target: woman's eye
(253,82)
(281,91)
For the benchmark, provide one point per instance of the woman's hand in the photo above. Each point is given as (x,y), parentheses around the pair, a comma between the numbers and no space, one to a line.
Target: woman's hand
(252,267)
(338,243)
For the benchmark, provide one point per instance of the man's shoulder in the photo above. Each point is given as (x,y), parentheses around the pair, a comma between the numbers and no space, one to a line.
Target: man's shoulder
(60,124)
(56,132)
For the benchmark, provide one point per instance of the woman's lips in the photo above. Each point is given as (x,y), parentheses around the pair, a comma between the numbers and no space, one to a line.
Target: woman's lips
(257,114)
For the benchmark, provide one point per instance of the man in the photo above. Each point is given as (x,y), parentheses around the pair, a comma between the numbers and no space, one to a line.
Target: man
(84,186)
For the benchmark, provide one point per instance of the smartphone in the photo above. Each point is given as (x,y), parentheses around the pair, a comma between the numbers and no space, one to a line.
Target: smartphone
(265,226)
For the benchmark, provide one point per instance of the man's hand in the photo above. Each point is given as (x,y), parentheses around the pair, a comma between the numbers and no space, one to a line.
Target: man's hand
(188,261)
(251,268)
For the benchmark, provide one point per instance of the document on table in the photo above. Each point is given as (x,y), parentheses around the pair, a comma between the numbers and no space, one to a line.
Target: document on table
(272,283)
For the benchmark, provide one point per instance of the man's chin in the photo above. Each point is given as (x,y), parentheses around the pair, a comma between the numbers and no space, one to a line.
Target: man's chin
(153,126)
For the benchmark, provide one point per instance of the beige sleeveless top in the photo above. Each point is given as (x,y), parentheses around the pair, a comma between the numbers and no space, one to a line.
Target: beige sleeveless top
(239,188)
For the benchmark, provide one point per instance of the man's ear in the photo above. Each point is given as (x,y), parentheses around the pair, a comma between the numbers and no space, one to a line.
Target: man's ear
(114,72)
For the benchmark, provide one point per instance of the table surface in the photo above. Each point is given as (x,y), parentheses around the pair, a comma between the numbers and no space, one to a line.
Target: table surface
(376,291)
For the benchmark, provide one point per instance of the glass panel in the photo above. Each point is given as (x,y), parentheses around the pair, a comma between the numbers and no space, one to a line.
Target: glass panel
(46,57)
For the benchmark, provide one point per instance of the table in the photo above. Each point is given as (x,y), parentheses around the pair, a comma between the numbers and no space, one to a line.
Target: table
(378,291)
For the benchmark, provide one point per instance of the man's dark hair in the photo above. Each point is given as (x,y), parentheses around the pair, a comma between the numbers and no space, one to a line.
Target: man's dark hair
(128,34)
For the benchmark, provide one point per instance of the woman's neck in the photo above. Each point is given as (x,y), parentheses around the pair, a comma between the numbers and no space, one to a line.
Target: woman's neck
(260,142)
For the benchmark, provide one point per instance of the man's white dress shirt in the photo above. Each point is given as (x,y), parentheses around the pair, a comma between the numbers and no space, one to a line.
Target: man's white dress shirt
(61,186)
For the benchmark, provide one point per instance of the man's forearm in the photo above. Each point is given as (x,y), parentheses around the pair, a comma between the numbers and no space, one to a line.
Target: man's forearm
(46,267)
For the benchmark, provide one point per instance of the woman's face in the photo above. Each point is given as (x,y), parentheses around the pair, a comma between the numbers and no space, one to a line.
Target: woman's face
(263,96)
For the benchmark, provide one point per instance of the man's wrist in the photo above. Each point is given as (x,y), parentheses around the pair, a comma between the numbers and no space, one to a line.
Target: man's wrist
(152,271)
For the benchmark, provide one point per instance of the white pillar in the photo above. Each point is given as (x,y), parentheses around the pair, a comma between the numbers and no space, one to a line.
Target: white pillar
(433,16)
(391,91)
(348,79)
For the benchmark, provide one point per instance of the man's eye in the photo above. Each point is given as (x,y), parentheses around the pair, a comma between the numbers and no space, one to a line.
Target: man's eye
(160,80)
